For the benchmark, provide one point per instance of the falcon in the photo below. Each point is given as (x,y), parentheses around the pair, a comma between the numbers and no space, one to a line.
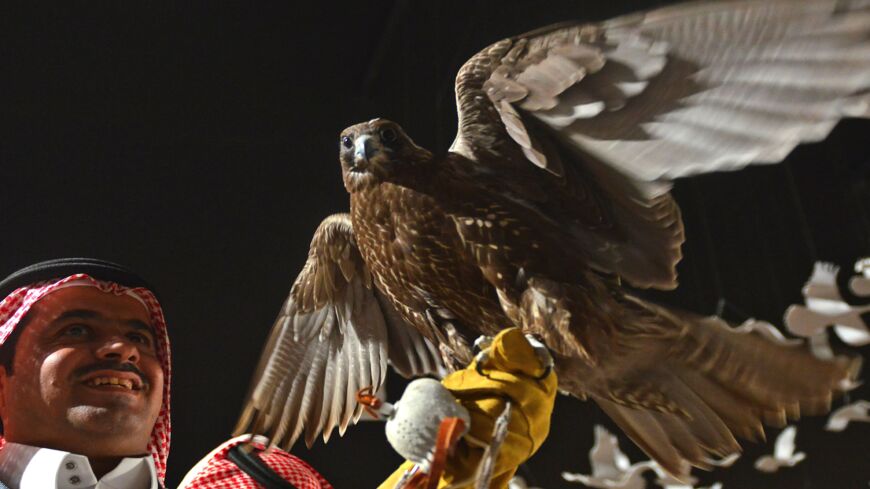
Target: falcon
(554,194)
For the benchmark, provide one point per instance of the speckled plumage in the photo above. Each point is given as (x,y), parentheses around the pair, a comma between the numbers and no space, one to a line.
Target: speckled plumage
(403,235)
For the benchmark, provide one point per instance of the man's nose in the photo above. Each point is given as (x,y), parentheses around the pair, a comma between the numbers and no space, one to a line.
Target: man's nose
(120,349)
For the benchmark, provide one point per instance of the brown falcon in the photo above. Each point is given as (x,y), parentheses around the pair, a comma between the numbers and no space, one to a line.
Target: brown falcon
(555,190)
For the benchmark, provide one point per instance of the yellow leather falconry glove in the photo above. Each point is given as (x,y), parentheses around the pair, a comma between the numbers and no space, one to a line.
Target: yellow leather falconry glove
(512,372)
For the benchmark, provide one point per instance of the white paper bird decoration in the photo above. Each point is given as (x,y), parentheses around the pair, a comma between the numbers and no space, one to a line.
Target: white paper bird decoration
(611,468)
(717,485)
(766,330)
(860,285)
(667,481)
(862,266)
(671,483)
(826,307)
(857,411)
(519,483)
(783,453)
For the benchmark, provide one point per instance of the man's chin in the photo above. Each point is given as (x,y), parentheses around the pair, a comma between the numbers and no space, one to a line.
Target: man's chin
(107,418)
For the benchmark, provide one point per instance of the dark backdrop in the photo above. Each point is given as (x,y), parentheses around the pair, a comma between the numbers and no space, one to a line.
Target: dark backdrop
(197,143)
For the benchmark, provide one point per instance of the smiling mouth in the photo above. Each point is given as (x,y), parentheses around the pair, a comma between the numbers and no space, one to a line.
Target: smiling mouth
(114,383)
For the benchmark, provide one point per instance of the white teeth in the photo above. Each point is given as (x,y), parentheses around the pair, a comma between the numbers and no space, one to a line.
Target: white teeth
(125,383)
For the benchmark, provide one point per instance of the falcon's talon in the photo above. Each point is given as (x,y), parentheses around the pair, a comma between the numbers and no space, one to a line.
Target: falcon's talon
(535,339)
(373,405)
(548,369)
(479,360)
(482,342)
(542,352)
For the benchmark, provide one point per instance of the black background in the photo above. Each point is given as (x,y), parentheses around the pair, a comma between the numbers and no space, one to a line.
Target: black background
(197,143)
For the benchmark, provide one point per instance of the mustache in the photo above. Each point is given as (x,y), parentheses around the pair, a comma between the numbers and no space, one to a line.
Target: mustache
(111,365)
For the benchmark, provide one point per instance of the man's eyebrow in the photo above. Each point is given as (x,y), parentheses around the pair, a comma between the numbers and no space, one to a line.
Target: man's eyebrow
(139,324)
(78,314)
(90,314)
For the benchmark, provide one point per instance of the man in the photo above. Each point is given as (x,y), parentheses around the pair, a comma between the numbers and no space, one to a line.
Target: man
(84,378)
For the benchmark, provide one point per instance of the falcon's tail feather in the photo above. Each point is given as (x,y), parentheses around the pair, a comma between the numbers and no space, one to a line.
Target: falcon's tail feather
(683,386)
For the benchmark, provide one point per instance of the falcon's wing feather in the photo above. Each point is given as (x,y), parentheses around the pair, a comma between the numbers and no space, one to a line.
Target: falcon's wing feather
(411,354)
(621,108)
(726,381)
(331,339)
(766,76)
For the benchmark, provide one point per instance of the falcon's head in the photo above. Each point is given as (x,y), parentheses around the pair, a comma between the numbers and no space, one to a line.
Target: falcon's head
(377,151)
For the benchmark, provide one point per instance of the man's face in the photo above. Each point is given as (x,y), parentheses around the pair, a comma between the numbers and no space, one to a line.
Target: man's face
(85,375)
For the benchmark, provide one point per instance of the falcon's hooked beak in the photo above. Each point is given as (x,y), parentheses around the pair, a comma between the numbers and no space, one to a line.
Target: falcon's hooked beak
(364,149)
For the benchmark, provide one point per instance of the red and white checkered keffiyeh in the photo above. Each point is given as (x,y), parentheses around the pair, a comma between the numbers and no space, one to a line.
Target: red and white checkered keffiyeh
(19,302)
(215,471)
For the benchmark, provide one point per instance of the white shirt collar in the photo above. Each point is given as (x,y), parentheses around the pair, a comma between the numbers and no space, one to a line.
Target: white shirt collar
(27,467)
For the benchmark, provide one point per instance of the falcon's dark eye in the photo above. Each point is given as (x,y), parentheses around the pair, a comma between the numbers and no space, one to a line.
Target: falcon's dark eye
(347,142)
(388,135)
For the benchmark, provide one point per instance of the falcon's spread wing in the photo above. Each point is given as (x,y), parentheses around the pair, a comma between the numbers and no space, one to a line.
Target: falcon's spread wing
(681,386)
(614,111)
(333,337)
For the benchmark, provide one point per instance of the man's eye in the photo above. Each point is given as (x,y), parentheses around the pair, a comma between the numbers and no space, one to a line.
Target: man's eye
(76,331)
(140,338)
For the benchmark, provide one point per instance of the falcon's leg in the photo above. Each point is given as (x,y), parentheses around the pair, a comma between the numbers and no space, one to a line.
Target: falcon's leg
(557,313)
(456,353)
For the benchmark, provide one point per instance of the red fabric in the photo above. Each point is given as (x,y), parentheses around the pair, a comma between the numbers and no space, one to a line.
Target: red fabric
(18,303)
(221,473)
